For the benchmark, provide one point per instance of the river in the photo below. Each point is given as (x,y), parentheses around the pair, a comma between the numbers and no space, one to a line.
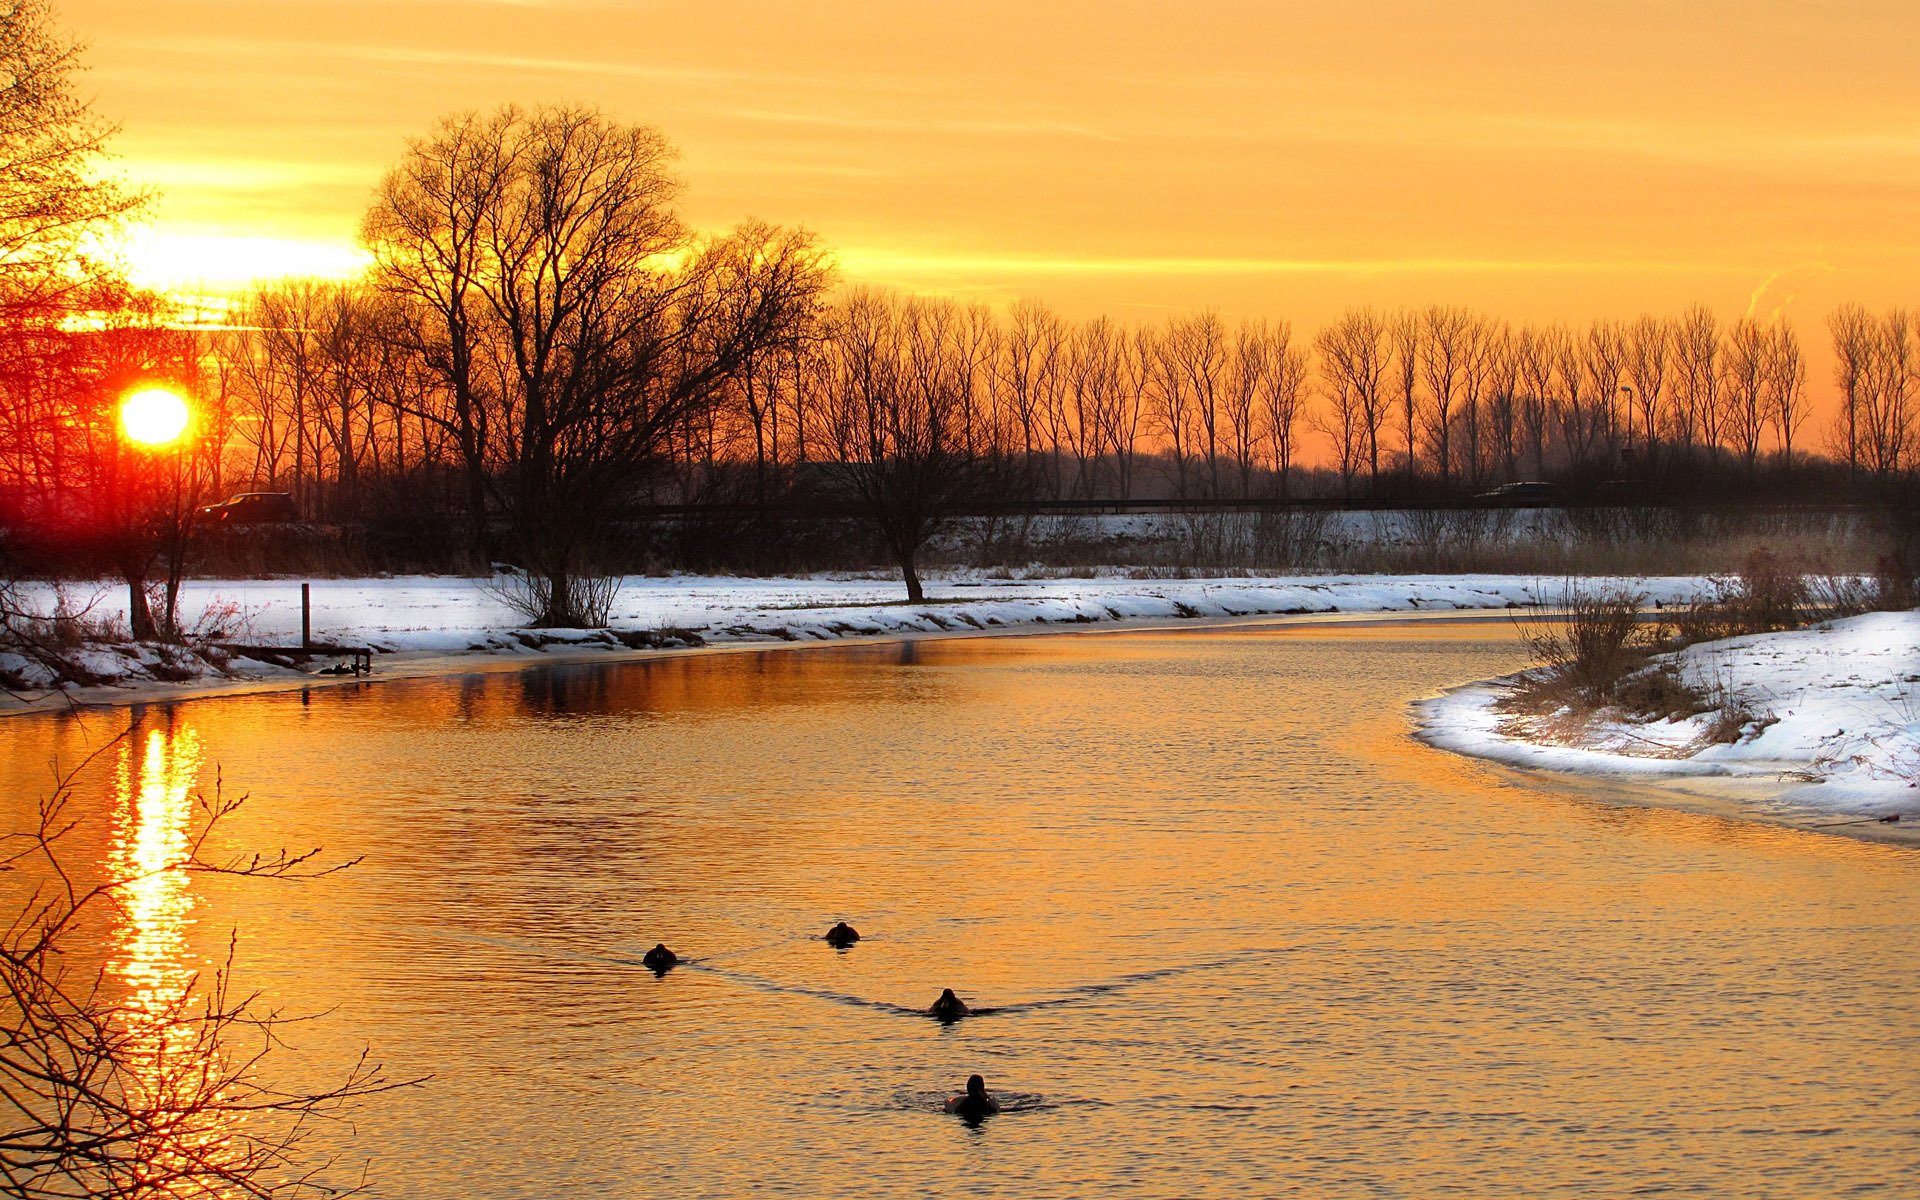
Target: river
(1244,936)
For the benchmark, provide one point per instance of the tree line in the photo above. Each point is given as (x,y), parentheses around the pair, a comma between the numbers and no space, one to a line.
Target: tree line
(1437,399)
(542,347)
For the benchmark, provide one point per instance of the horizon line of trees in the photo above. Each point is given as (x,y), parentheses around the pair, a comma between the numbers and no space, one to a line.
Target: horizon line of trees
(328,389)
(543,347)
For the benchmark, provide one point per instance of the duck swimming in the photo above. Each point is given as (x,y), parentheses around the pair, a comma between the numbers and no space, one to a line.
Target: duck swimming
(978,1102)
(949,1007)
(842,935)
(660,959)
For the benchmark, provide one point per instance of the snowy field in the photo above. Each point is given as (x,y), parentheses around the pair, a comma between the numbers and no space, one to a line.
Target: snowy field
(1837,720)
(450,614)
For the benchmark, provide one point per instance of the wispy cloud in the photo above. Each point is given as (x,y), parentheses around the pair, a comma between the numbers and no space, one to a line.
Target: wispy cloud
(873,261)
(984,126)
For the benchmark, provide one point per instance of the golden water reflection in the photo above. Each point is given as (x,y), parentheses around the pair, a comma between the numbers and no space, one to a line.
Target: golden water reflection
(1210,873)
(151,836)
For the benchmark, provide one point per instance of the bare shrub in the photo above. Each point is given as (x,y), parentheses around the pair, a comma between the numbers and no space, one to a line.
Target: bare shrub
(1288,539)
(1591,642)
(588,596)
(1896,584)
(1770,592)
(57,643)
(53,641)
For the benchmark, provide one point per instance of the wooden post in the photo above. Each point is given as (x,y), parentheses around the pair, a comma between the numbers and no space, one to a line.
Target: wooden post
(306,615)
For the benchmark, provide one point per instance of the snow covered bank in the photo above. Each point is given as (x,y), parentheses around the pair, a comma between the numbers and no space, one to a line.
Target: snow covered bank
(457,619)
(1837,725)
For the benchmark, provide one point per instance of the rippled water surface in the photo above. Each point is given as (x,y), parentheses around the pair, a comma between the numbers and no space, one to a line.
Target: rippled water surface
(1244,936)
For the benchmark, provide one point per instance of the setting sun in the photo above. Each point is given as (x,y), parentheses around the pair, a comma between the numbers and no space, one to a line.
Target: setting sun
(154,416)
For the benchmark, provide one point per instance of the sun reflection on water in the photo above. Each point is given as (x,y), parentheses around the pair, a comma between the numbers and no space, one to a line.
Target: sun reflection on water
(151,835)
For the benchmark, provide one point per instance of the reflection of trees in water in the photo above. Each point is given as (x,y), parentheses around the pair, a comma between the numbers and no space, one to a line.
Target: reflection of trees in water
(735,680)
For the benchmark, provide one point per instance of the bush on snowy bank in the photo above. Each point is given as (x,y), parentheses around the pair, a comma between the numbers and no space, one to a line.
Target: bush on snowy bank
(1598,650)
(73,643)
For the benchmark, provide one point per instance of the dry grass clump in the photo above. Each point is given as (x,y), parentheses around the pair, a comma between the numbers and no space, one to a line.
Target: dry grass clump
(1773,591)
(1589,646)
(1597,649)
(1769,593)
(1657,692)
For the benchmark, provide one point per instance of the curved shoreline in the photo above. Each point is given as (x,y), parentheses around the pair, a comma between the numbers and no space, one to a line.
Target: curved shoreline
(403,666)
(1787,770)
(438,625)
(1725,790)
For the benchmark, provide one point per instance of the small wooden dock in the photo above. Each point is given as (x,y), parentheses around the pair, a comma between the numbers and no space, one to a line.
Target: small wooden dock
(359,658)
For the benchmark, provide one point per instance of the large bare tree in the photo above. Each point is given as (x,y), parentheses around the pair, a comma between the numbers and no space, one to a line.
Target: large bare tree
(1744,380)
(1697,410)
(1892,381)
(1444,350)
(1649,344)
(1852,328)
(574,326)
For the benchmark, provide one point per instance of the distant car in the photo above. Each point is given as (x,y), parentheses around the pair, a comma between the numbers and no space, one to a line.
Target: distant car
(252,508)
(1522,494)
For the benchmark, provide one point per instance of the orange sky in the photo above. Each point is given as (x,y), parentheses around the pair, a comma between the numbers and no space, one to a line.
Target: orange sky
(1539,160)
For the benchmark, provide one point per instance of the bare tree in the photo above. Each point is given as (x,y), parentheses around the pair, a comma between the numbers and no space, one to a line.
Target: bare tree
(1344,428)
(1249,366)
(1606,358)
(1190,380)
(1696,408)
(1098,373)
(1283,396)
(1744,379)
(1488,363)
(756,264)
(54,200)
(1444,351)
(1354,355)
(1537,352)
(1785,372)
(1506,405)
(1581,420)
(890,417)
(1033,360)
(1405,330)
(1852,328)
(1649,343)
(537,248)
(1129,417)
(1888,395)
